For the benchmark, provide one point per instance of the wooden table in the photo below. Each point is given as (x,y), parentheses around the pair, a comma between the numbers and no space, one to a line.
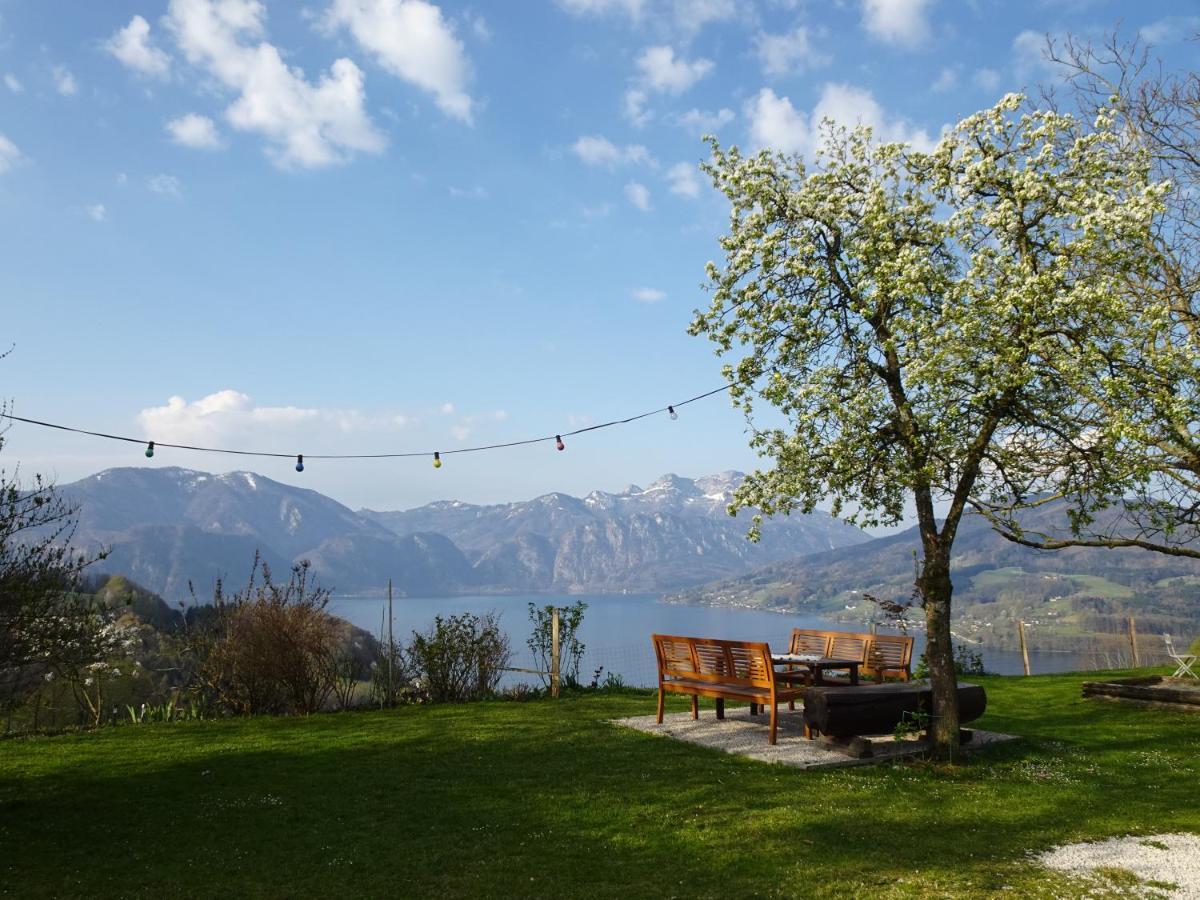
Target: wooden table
(817,666)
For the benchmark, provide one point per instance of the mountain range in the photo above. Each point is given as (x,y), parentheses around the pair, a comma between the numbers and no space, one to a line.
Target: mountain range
(168,527)
(1066,595)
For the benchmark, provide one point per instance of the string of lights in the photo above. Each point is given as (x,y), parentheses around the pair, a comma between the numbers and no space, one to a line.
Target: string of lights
(559,443)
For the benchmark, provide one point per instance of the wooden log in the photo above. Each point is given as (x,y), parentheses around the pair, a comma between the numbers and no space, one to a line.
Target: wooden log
(845,712)
(1133,647)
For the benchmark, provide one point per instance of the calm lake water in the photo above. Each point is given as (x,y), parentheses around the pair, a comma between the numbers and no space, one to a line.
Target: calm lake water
(617,627)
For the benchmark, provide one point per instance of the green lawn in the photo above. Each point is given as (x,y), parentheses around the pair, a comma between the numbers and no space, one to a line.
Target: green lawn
(548,799)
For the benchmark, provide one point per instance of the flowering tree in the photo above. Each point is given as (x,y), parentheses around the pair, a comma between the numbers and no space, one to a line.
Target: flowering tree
(37,568)
(909,313)
(1149,389)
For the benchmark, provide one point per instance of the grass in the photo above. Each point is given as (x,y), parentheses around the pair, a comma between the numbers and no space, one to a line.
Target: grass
(547,798)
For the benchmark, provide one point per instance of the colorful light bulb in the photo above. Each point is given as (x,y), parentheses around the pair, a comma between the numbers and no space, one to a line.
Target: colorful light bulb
(674,415)
(149,449)
(300,462)
(558,442)
(437,460)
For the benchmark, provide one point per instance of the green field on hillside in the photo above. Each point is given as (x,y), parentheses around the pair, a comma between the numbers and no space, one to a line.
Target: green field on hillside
(547,798)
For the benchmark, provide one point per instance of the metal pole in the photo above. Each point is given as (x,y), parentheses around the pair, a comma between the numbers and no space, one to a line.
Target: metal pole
(554,653)
(1024,648)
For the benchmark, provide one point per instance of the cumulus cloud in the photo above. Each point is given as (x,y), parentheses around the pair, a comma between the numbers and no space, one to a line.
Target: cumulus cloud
(597,150)
(132,47)
(9,154)
(777,124)
(660,70)
(683,180)
(631,8)
(230,417)
(702,121)
(947,80)
(1170,29)
(413,41)
(639,195)
(987,79)
(647,295)
(195,131)
(13,83)
(168,185)
(306,125)
(64,81)
(900,22)
(784,54)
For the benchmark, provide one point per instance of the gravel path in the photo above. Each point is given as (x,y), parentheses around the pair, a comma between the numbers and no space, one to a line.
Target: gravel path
(1167,859)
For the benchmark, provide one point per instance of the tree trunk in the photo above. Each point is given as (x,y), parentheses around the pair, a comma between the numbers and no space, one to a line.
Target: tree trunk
(936,588)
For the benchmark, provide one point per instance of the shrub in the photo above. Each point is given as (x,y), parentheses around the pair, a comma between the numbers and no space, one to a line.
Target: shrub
(460,658)
(570,647)
(966,662)
(269,648)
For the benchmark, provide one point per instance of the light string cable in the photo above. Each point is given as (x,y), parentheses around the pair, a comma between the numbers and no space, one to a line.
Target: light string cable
(151,445)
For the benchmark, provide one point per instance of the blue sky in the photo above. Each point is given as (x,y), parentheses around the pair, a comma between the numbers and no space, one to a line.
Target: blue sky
(376,225)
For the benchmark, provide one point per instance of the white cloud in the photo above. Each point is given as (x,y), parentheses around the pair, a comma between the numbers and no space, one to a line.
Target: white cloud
(784,54)
(661,71)
(692,15)
(704,122)
(231,417)
(97,212)
(777,124)
(411,40)
(1170,30)
(478,25)
(9,154)
(647,295)
(631,8)
(1029,55)
(901,22)
(306,125)
(64,81)
(447,409)
(596,150)
(475,192)
(460,432)
(635,107)
(168,185)
(13,83)
(683,180)
(132,47)
(947,80)
(195,131)
(987,79)
(639,195)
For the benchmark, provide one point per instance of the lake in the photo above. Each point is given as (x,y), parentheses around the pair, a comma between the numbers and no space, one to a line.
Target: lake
(616,629)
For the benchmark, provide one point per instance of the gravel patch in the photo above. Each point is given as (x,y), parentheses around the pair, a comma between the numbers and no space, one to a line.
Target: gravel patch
(1167,864)
(741,734)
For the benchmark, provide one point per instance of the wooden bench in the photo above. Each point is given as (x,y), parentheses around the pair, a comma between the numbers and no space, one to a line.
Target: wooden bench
(725,670)
(881,655)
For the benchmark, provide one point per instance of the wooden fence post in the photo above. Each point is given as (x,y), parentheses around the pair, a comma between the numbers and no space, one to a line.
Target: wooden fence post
(1137,661)
(1024,648)
(554,653)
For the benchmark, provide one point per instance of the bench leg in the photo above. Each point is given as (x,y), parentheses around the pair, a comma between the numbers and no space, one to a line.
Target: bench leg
(695,707)
(660,704)
(720,707)
(774,718)
(753,708)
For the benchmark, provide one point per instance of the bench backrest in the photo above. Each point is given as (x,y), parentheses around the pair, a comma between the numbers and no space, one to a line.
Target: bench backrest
(745,663)
(847,645)
(890,651)
(808,640)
